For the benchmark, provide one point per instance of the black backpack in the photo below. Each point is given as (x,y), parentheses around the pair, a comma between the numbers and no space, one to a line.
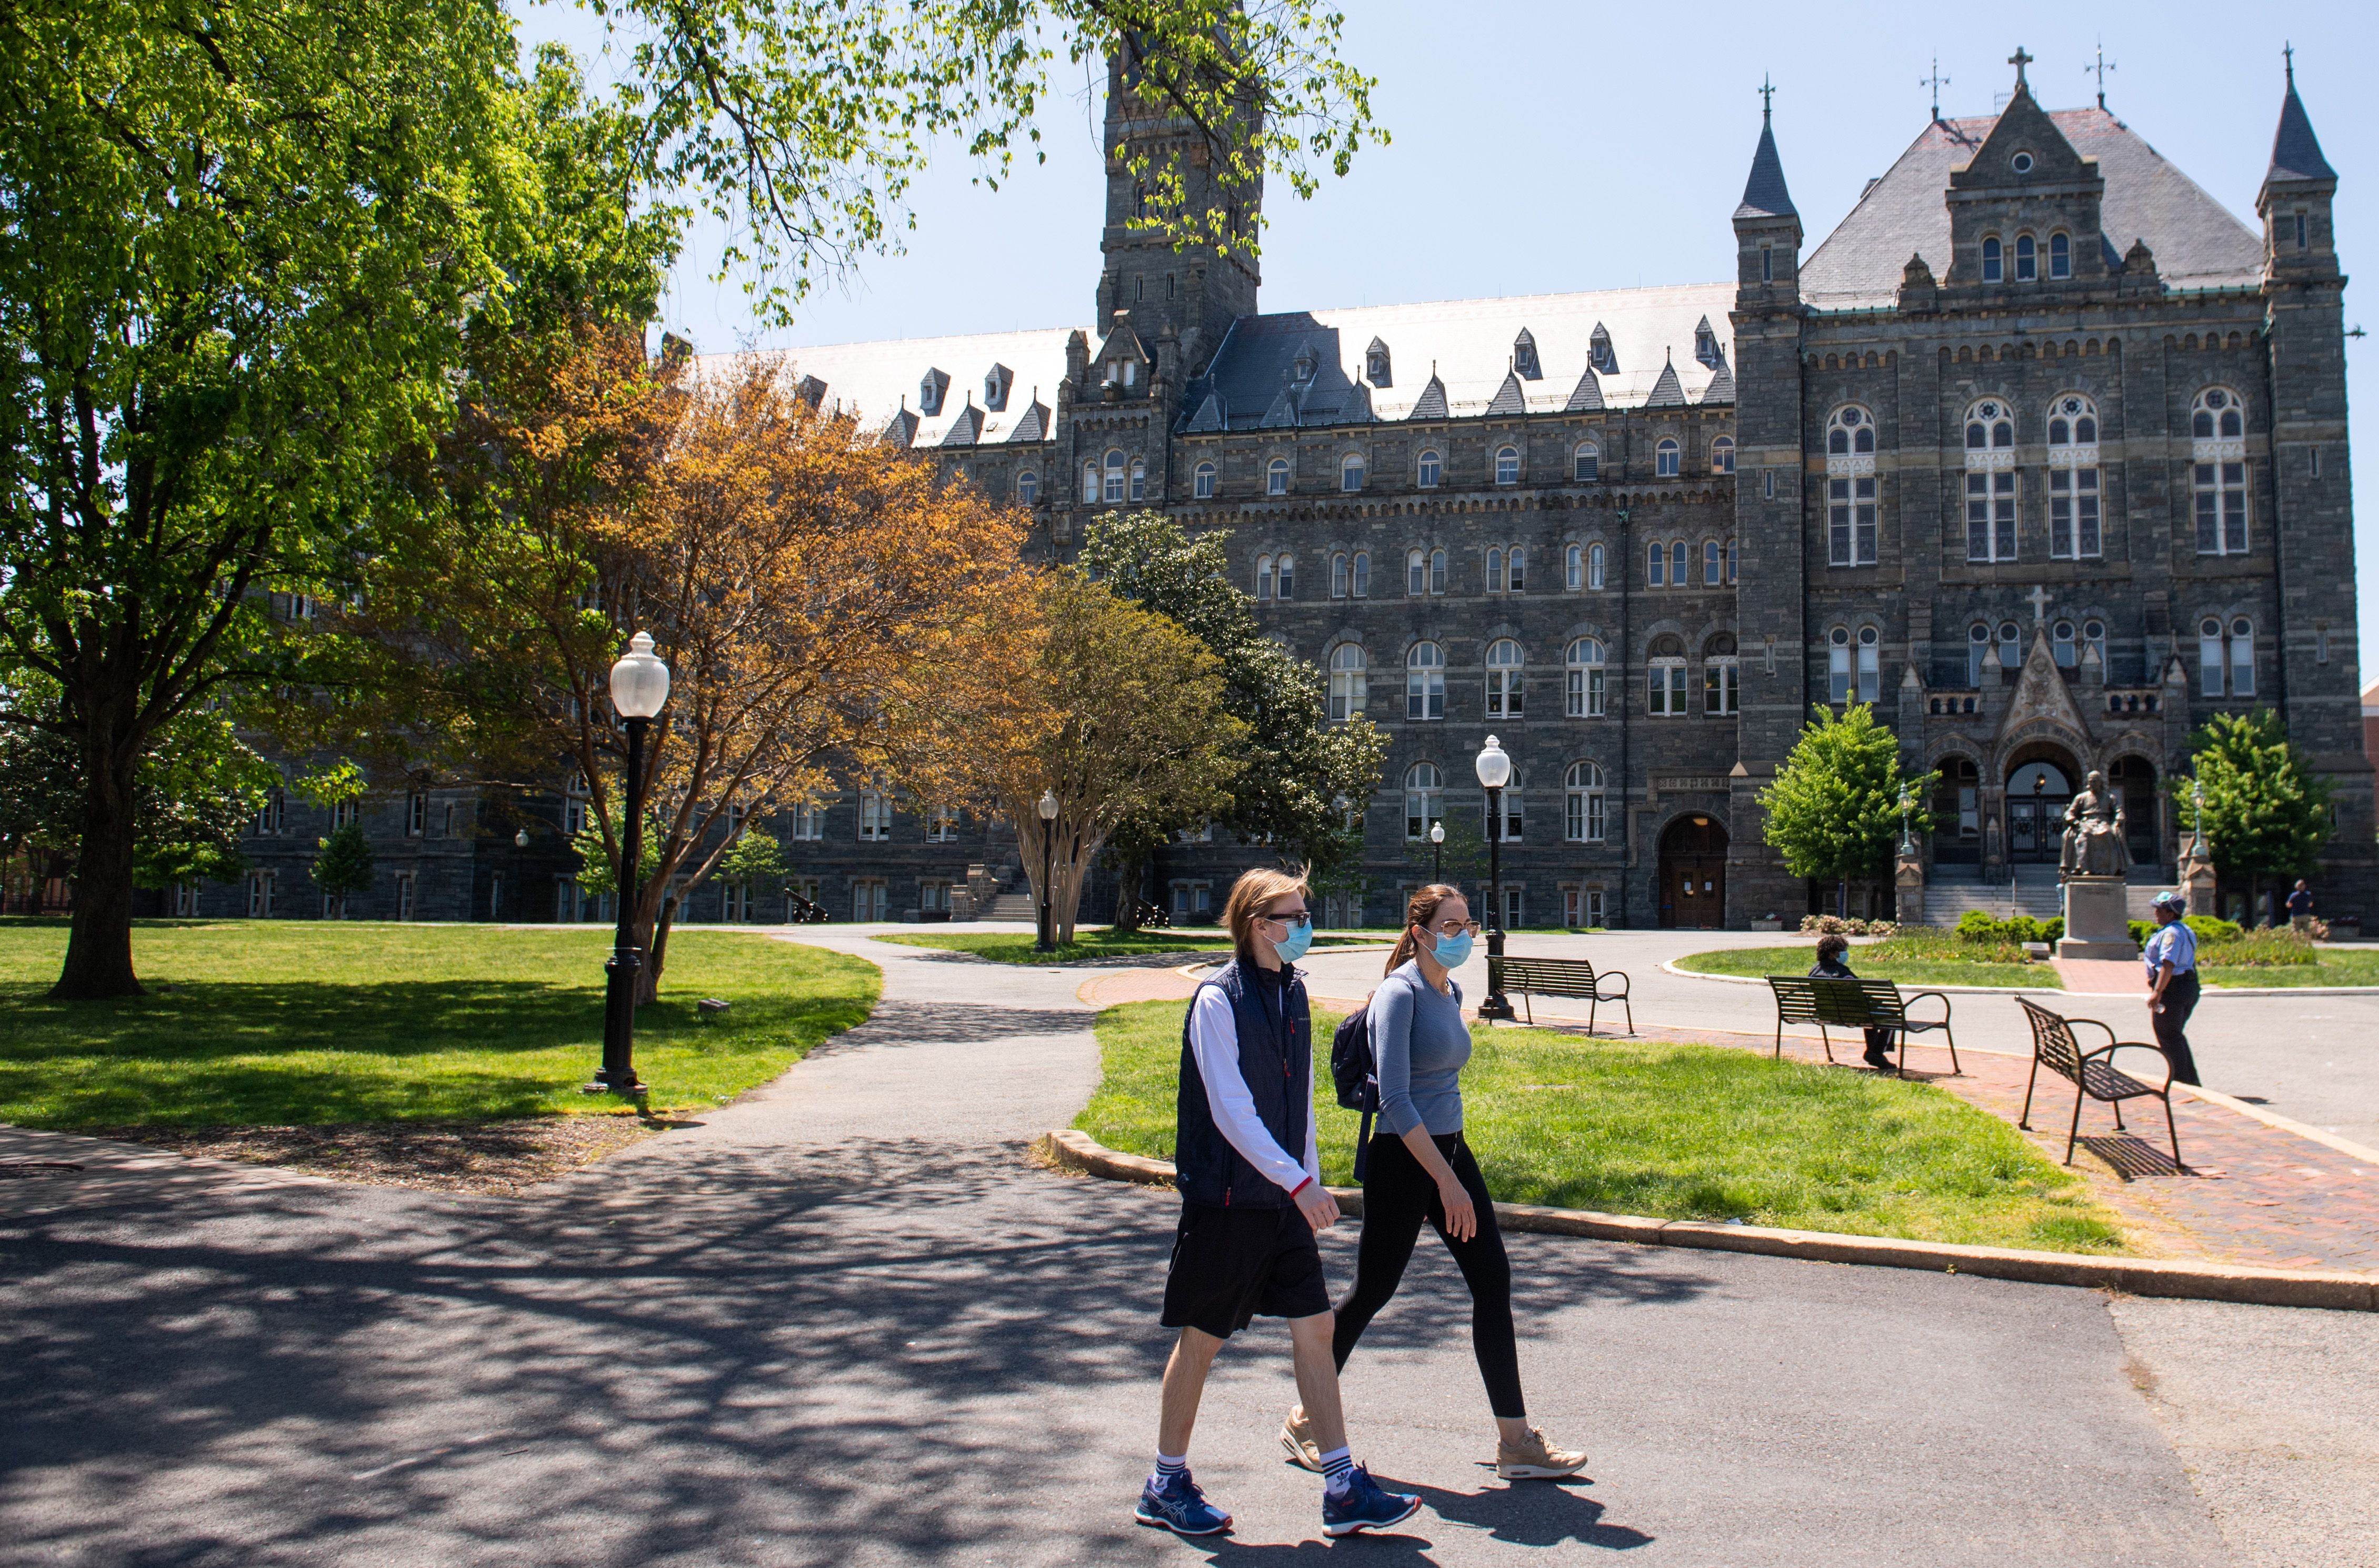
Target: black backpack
(1356,1073)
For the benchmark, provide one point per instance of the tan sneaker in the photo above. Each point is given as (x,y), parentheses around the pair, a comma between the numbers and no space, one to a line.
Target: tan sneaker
(1536,1460)
(1297,1436)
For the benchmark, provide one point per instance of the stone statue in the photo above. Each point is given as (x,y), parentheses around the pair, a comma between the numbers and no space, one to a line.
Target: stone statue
(2094,833)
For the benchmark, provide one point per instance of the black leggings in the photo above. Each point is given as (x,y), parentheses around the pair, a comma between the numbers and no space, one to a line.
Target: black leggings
(1397,1195)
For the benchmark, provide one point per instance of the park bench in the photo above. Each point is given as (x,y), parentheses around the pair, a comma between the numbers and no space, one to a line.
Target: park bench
(1856,1004)
(2093,1074)
(1561,977)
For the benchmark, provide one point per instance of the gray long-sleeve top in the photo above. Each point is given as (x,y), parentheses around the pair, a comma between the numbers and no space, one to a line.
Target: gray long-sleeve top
(1420,1043)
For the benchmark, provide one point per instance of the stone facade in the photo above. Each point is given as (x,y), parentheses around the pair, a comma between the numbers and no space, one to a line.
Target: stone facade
(2042,453)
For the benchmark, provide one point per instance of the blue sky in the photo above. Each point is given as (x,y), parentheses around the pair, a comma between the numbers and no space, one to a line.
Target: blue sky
(1543,148)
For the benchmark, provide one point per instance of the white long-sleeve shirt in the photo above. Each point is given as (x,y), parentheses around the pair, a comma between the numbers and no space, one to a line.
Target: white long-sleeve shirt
(1214,1041)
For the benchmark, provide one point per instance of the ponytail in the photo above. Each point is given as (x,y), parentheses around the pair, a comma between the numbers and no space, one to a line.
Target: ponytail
(1419,911)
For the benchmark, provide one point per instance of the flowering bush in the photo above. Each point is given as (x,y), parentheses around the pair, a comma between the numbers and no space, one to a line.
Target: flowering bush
(1831,925)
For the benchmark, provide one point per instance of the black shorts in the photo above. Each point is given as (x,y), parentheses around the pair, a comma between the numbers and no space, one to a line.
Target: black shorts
(1229,1265)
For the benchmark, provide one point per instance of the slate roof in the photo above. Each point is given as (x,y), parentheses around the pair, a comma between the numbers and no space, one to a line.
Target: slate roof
(1510,398)
(1667,392)
(2296,152)
(1764,194)
(2197,241)
(1721,387)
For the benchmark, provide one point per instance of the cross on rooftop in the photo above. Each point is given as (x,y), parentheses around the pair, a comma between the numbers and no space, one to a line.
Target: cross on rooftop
(2100,71)
(1767,98)
(2039,597)
(2289,54)
(2019,60)
(1936,81)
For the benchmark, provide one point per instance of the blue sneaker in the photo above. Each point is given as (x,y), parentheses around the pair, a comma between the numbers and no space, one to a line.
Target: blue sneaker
(1181,1507)
(1365,1505)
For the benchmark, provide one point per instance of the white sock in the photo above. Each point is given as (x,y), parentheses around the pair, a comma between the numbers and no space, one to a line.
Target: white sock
(1337,1469)
(1167,1466)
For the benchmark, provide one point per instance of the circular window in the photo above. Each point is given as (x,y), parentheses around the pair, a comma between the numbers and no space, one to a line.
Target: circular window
(1988,410)
(1851,416)
(2239,628)
(1866,637)
(1841,638)
(2073,405)
(2020,162)
(2216,398)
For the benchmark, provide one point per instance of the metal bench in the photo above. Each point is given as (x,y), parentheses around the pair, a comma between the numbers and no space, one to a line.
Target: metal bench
(1857,1004)
(2093,1073)
(1561,977)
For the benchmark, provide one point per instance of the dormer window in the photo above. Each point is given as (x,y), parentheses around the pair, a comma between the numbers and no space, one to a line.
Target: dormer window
(2060,256)
(1524,356)
(2027,259)
(1305,363)
(931,389)
(1991,262)
(1599,352)
(996,384)
(1375,364)
(1706,345)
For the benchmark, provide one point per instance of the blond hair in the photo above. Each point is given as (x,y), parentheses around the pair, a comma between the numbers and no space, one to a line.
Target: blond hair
(1249,896)
(1419,911)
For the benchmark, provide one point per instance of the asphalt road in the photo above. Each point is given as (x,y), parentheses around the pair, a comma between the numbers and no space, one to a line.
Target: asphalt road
(844,1322)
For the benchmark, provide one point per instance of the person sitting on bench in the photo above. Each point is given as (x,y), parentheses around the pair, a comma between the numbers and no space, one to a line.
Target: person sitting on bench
(1832,951)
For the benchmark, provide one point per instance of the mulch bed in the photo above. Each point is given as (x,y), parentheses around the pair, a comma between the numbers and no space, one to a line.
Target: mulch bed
(499,1157)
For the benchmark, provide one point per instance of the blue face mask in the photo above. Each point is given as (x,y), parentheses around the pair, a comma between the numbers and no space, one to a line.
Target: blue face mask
(1292,947)
(1453,951)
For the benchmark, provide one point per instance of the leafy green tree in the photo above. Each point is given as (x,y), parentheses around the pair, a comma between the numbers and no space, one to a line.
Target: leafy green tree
(1833,811)
(1297,765)
(1460,862)
(2266,812)
(344,866)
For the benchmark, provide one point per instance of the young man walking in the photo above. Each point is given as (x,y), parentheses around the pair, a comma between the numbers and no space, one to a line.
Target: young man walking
(1249,1209)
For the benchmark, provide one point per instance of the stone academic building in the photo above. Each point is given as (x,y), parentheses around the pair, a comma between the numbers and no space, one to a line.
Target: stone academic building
(2042,453)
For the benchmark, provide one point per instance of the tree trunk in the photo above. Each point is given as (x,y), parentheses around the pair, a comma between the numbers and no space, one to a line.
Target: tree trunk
(655,945)
(1128,876)
(99,945)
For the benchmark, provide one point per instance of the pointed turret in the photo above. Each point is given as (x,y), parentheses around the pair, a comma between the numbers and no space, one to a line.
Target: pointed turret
(1764,194)
(2295,200)
(1767,226)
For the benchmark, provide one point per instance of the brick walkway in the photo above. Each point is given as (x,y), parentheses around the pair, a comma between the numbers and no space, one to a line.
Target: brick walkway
(2254,1194)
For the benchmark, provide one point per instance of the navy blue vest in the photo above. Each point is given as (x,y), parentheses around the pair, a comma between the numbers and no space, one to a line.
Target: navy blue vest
(1276,1059)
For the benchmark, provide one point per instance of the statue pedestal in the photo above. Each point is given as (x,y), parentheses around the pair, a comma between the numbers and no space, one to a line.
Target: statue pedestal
(2097,922)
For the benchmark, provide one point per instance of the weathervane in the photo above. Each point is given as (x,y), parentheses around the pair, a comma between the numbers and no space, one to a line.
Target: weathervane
(1767,99)
(2100,71)
(1936,81)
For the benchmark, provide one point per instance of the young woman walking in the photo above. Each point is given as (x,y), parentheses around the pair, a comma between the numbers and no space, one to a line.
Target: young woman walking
(1426,1172)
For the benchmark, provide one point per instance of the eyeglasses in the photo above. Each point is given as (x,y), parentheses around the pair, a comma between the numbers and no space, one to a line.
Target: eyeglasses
(1301,919)
(1455,928)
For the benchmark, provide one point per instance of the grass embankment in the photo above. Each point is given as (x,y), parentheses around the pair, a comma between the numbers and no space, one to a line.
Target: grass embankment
(282,1023)
(1680,1131)
(2331,966)
(1090,942)
(1911,957)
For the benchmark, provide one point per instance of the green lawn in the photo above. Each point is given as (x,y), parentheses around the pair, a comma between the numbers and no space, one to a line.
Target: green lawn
(2334,966)
(1681,1131)
(1874,962)
(1089,943)
(276,1023)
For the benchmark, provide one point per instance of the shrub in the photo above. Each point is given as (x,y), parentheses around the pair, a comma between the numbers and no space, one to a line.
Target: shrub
(1977,926)
(1919,942)
(2270,948)
(2141,931)
(2210,931)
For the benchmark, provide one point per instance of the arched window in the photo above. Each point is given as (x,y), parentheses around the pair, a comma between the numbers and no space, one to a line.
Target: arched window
(1288,576)
(1668,458)
(1505,680)
(1362,574)
(1276,477)
(1586,672)
(2218,416)
(1431,469)
(2011,647)
(1679,563)
(1713,564)
(1203,482)
(2243,657)
(1495,569)
(1594,570)
(2060,645)
(2027,259)
(2210,659)
(1350,682)
(1263,578)
(1514,799)
(1517,558)
(1424,799)
(1990,258)
(1838,664)
(1574,567)
(1990,481)
(1721,678)
(1583,812)
(1028,486)
(1978,644)
(1870,671)
(1437,572)
(1850,432)
(1425,681)
(1586,463)
(1507,465)
(1350,471)
(2218,423)
(1416,572)
(2060,256)
(1664,678)
(2074,530)
(1116,480)
(1338,576)
(1139,479)
(1723,455)
(1656,564)
(1091,484)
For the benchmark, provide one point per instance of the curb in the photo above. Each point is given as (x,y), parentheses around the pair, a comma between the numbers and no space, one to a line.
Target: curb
(2135,1276)
(1670,966)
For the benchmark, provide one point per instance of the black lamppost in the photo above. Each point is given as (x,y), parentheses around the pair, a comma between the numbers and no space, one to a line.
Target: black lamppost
(1043,938)
(1437,851)
(1494,771)
(640,684)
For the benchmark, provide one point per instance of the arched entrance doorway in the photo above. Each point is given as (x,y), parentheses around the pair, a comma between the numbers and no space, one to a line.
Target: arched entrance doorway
(1693,874)
(2038,791)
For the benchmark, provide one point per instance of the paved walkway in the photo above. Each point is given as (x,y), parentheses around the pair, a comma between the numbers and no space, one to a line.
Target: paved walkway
(843,1323)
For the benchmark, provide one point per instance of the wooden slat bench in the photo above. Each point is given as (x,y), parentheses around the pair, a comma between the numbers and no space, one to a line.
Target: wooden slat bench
(2093,1074)
(1857,1004)
(1576,978)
